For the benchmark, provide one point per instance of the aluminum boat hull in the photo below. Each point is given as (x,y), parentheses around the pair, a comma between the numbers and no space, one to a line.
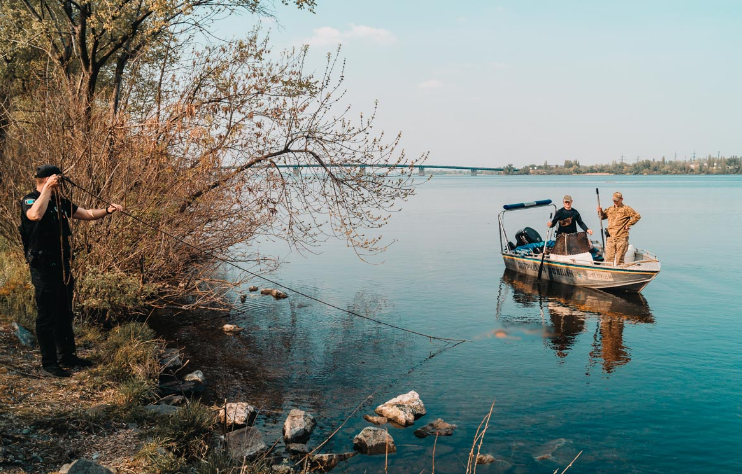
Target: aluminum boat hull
(632,277)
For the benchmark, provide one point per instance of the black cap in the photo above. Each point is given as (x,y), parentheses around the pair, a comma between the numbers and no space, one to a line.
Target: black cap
(44,171)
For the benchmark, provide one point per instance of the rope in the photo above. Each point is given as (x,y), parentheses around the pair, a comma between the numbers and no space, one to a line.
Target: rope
(231,263)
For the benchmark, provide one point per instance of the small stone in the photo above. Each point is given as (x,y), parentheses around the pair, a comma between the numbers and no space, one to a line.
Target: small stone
(326,462)
(281,469)
(196,376)
(436,428)
(374,440)
(298,426)
(297,448)
(238,414)
(171,360)
(403,410)
(243,298)
(266,291)
(231,328)
(485,459)
(160,410)
(246,443)
(253,288)
(377,420)
(83,466)
(24,335)
(174,400)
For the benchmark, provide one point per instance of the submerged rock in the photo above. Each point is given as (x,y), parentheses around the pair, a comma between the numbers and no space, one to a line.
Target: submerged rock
(238,414)
(170,360)
(436,428)
(298,426)
(246,443)
(404,409)
(231,328)
(24,335)
(297,448)
(485,459)
(243,298)
(253,288)
(547,450)
(326,462)
(374,440)
(377,420)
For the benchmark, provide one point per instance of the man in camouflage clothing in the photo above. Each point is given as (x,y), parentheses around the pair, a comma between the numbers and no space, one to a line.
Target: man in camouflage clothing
(620,219)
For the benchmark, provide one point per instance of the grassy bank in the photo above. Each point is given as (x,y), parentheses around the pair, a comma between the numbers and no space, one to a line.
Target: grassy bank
(98,413)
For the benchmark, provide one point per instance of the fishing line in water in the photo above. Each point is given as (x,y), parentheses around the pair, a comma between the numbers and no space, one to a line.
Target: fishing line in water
(228,262)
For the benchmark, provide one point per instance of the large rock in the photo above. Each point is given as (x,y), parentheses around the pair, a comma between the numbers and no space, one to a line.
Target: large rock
(83,466)
(245,444)
(326,462)
(374,440)
(403,410)
(436,428)
(24,335)
(298,427)
(238,414)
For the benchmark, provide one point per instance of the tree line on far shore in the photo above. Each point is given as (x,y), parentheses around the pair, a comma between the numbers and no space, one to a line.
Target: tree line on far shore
(708,165)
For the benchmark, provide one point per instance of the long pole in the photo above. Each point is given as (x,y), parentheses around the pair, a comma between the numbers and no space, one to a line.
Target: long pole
(600,218)
(543,253)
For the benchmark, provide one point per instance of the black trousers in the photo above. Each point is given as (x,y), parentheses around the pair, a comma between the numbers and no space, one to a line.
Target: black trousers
(54,311)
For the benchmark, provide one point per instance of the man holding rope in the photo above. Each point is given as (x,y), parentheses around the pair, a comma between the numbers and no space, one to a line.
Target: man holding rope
(45,230)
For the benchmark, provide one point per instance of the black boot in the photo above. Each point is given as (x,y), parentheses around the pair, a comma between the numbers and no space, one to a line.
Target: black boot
(55,371)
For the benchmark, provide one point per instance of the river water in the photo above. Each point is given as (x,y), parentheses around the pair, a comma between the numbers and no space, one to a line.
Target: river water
(647,384)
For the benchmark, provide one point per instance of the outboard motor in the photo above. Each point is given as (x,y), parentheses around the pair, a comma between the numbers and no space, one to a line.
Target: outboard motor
(527,235)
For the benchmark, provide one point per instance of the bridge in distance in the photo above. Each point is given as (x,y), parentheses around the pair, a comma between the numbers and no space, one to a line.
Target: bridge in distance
(420,168)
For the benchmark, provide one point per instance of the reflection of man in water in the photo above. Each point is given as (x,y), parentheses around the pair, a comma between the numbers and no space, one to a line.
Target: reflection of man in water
(610,347)
(568,219)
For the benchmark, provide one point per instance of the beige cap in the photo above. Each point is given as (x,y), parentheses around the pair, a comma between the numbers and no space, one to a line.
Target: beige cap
(567,198)
(617,196)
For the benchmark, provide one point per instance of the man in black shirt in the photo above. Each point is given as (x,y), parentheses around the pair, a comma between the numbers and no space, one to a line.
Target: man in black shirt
(46,231)
(568,219)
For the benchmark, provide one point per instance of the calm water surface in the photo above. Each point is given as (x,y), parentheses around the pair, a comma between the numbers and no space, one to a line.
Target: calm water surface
(639,385)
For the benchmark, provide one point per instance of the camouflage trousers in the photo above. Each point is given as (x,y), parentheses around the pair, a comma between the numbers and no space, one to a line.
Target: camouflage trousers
(616,247)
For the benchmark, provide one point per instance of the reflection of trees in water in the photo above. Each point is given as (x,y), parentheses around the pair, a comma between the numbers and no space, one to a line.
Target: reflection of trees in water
(569,308)
(293,352)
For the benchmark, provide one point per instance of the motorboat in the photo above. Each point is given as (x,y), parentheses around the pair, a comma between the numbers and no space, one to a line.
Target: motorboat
(572,259)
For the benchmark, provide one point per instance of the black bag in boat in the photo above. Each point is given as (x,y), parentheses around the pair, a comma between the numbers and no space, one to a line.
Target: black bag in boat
(571,244)
(526,236)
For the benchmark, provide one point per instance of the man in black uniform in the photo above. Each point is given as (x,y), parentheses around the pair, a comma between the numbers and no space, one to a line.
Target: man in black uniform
(568,219)
(46,231)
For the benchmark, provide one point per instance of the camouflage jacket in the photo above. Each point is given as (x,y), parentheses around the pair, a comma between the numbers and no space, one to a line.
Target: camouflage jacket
(620,219)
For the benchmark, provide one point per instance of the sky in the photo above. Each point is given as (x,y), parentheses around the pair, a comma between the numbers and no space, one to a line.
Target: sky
(491,83)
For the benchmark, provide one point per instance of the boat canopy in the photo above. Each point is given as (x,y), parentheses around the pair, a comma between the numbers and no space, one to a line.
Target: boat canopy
(524,205)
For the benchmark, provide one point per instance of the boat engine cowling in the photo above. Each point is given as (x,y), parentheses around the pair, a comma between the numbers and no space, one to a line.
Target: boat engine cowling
(527,235)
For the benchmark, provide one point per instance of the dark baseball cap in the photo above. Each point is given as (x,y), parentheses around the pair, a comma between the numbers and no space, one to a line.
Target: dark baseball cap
(44,171)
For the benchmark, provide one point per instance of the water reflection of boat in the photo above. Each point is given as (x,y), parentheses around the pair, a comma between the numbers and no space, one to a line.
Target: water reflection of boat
(565,312)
